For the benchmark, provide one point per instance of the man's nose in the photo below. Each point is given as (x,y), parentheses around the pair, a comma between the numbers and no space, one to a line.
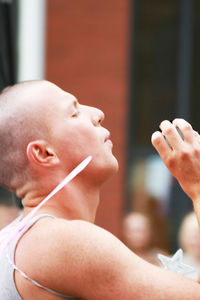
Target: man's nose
(97,116)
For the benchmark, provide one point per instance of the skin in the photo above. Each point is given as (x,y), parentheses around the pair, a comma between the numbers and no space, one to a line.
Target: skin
(182,158)
(75,133)
(70,254)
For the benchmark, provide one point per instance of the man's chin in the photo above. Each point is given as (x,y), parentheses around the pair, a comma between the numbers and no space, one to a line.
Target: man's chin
(112,168)
(116,165)
(103,170)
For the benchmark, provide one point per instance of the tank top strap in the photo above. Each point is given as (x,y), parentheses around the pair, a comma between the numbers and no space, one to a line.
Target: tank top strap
(12,263)
(37,218)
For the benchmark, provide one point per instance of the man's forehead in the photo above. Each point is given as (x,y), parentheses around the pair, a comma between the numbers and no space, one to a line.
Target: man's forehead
(70,97)
(61,100)
(61,94)
(51,93)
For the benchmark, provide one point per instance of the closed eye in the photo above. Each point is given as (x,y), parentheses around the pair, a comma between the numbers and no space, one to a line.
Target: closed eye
(75,114)
(76,111)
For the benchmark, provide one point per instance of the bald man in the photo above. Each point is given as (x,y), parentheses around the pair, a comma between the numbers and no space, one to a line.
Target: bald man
(44,134)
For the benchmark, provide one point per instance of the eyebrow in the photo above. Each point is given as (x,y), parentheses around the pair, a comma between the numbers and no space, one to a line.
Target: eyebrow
(72,104)
(75,103)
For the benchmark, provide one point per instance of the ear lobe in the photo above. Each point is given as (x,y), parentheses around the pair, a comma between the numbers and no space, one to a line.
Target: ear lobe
(40,153)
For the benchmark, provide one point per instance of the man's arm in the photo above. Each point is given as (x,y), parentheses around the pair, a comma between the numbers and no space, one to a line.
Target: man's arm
(181,155)
(89,262)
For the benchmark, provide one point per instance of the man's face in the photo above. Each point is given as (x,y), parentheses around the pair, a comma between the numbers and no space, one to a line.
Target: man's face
(76,132)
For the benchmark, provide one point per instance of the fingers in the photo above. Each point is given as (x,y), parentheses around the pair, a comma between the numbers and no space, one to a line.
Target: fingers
(182,157)
(185,129)
(161,145)
(177,132)
(172,134)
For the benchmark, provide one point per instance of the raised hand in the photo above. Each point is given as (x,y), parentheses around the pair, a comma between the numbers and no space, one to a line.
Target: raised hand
(179,147)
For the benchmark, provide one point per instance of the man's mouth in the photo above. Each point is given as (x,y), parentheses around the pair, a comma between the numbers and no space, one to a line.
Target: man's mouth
(107,138)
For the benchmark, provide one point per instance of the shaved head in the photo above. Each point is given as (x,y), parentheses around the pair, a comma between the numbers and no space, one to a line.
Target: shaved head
(22,119)
(45,132)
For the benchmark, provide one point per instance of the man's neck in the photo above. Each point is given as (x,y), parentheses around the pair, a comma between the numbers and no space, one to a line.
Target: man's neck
(75,201)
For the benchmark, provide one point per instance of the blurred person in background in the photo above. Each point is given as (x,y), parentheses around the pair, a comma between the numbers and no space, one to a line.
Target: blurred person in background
(137,232)
(189,241)
(9,208)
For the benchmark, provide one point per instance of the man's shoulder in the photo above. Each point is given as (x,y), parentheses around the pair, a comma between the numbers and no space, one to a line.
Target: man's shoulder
(79,245)
(66,238)
(75,251)
(59,228)
(66,233)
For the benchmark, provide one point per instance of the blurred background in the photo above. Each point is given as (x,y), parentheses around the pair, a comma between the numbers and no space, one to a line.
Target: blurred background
(138,61)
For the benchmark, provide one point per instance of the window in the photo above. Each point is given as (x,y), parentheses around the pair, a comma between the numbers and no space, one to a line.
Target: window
(164,84)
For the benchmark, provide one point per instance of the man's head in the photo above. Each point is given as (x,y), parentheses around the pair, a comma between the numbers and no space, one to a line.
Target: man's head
(44,129)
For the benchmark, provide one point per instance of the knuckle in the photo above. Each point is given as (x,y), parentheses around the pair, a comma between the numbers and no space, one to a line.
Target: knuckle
(186,127)
(168,130)
(184,154)
(170,162)
(196,151)
(181,123)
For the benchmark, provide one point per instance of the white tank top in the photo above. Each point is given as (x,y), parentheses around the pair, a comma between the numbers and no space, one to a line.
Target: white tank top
(8,290)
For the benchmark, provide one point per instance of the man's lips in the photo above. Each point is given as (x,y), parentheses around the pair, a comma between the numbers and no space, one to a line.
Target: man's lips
(107,138)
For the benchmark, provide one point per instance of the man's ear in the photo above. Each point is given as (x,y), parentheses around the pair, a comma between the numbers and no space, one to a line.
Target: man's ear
(41,153)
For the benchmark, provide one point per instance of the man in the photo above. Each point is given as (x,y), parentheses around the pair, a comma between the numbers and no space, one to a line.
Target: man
(44,134)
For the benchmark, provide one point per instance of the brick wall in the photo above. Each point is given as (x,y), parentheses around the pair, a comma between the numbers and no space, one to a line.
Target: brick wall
(87,55)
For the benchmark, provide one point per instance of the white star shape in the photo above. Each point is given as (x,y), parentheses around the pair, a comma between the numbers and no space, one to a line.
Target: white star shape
(175,263)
